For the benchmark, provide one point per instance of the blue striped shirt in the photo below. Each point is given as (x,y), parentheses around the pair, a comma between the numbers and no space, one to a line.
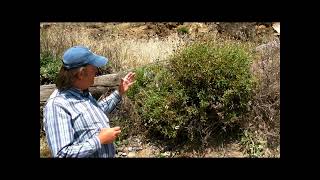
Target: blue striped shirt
(72,121)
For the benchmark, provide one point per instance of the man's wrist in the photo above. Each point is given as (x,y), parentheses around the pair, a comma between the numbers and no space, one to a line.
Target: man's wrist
(118,92)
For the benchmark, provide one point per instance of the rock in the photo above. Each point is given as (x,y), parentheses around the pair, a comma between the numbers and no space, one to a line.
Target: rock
(269,47)
(130,149)
(45,25)
(276,27)
(121,148)
(240,31)
(166,154)
(261,27)
(138,148)
(131,154)
(147,152)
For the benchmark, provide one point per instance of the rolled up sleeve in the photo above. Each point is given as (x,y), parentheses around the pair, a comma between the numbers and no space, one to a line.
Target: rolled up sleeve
(109,103)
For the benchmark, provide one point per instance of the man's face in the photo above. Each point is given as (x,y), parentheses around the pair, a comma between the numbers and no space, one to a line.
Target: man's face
(90,73)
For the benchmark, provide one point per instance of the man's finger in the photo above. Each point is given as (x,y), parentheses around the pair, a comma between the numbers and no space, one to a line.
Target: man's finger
(131,76)
(117,132)
(116,128)
(128,75)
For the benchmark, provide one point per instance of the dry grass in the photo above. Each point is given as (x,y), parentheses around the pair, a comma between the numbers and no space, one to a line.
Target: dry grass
(133,53)
(44,149)
(263,121)
(123,53)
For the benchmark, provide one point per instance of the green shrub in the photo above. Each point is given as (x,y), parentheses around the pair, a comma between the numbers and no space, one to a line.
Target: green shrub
(204,89)
(158,96)
(49,68)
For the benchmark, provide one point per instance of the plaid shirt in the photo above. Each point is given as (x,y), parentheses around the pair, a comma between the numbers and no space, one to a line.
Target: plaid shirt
(72,121)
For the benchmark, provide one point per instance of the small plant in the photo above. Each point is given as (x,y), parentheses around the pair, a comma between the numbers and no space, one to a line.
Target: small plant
(183,30)
(49,68)
(117,142)
(160,156)
(253,146)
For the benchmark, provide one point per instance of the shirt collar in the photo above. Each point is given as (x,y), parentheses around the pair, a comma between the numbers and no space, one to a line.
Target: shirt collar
(79,93)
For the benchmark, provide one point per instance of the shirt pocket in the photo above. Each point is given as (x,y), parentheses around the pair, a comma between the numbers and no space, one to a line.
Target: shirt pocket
(77,120)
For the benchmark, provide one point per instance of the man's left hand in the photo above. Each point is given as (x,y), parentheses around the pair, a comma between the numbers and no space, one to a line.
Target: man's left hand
(126,82)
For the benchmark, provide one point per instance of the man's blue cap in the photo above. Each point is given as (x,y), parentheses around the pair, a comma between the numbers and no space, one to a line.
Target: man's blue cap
(78,56)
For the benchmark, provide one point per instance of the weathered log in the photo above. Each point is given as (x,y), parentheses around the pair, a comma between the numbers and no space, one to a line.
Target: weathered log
(101,85)
(45,92)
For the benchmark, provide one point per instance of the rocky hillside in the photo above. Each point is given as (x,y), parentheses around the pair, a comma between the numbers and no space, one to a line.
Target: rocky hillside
(130,45)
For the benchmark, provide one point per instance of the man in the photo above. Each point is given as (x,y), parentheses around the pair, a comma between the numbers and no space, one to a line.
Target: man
(76,124)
